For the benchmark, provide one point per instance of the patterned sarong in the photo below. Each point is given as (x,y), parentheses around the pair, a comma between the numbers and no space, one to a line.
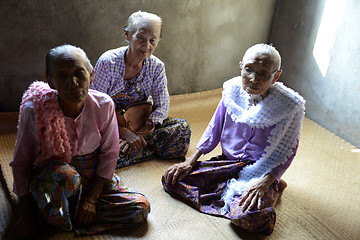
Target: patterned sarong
(58,188)
(203,188)
(169,140)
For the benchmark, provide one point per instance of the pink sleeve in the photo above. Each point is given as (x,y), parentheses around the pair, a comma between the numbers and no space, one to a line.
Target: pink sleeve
(25,149)
(109,146)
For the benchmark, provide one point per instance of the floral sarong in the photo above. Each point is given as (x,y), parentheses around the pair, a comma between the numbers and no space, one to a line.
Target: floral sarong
(203,188)
(169,140)
(58,188)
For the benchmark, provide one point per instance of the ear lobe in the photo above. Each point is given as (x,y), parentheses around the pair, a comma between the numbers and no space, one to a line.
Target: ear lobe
(92,76)
(276,77)
(127,35)
(50,82)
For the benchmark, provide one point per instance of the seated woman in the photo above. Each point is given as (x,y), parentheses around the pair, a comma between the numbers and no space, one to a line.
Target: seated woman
(66,153)
(133,71)
(257,123)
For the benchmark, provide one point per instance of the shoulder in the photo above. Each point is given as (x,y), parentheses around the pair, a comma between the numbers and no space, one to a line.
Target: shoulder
(285,95)
(113,55)
(232,89)
(154,62)
(232,83)
(99,99)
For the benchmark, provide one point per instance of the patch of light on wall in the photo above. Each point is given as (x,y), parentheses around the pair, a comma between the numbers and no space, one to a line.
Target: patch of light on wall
(325,38)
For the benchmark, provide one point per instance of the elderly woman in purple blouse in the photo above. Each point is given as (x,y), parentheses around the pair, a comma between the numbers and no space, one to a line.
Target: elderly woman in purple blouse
(257,123)
(134,71)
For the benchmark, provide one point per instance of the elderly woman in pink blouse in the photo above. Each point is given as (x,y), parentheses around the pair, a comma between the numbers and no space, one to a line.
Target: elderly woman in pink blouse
(66,153)
(257,123)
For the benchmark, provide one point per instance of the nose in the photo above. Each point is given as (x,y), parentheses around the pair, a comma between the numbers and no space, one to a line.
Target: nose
(74,82)
(253,78)
(148,44)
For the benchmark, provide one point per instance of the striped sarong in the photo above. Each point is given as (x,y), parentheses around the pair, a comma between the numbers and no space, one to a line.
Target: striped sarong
(58,188)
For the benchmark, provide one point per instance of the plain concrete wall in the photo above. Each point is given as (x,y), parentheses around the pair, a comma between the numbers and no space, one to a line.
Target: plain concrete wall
(203,40)
(333,99)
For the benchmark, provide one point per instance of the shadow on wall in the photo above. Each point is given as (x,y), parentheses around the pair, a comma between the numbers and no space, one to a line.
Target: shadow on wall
(321,60)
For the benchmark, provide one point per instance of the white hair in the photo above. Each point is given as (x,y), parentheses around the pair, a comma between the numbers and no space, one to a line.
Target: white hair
(139,17)
(267,49)
(59,51)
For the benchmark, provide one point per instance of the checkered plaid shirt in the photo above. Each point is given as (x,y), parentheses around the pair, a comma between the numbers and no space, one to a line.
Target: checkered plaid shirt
(109,78)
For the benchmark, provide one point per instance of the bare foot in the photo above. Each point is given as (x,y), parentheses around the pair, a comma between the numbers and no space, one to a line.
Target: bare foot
(282,186)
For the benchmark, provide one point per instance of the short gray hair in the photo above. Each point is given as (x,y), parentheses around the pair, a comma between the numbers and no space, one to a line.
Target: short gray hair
(140,17)
(59,51)
(265,49)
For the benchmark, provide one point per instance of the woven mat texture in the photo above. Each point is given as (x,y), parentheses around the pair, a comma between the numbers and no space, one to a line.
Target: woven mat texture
(320,202)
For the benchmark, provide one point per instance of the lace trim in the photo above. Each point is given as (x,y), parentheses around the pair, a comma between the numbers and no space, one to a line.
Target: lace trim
(281,103)
(283,108)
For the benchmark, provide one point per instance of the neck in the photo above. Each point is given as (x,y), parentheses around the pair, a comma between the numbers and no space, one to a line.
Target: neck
(71,110)
(131,60)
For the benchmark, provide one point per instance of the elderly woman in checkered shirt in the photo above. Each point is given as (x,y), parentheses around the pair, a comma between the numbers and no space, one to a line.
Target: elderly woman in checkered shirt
(133,70)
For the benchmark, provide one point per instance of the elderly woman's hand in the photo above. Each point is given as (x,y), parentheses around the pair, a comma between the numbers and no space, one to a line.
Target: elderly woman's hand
(180,170)
(177,172)
(135,141)
(87,212)
(253,196)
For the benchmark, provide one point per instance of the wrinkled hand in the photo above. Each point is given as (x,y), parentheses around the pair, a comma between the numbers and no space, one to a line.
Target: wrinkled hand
(135,141)
(253,196)
(177,172)
(86,213)
(24,226)
(124,146)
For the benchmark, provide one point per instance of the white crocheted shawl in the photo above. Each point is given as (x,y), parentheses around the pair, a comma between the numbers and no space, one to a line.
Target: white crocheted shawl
(283,109)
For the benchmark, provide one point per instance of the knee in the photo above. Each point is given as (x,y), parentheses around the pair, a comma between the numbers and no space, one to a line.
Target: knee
(143,208)
(184,125)
(55,175)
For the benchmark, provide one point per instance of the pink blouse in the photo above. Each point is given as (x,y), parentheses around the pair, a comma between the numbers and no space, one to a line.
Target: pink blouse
(96,126)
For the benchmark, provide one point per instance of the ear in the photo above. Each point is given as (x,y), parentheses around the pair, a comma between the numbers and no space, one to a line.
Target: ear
(50,81)
(276,77)
(127,35)
(92,76)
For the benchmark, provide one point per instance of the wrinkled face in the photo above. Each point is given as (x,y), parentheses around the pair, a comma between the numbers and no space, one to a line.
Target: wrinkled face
(145,39)
(71,78)
(258,73)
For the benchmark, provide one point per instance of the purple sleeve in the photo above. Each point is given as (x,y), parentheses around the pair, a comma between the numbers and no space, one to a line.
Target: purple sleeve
(101,81)
(160,95)
(211,137)
(278,171)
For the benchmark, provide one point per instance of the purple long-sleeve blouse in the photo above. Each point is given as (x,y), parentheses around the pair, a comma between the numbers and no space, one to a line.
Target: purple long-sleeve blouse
(238,140)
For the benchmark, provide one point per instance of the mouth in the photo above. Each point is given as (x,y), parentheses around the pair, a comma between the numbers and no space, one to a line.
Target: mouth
(75,94)
(253,87)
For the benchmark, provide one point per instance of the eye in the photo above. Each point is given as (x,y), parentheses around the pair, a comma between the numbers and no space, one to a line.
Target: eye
(263,74)
(80,74)
(63,75)
(249,69)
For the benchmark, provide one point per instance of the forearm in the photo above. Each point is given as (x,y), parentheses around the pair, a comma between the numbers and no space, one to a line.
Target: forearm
(268,180)
(95,189)
(194,157)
